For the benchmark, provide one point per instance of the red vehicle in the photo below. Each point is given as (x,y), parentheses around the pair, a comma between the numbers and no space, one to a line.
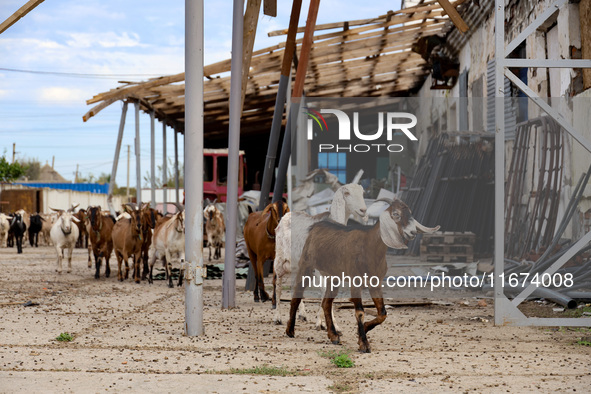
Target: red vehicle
(215,172)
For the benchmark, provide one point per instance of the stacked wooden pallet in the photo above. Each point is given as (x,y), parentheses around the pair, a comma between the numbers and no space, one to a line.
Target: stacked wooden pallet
(448,247)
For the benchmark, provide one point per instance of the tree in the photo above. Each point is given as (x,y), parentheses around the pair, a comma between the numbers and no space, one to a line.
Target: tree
(10,172)
(32,168)
(170,176)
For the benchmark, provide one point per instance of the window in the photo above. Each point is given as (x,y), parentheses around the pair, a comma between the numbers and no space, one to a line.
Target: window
(335,163)
(222,169)
(207,168)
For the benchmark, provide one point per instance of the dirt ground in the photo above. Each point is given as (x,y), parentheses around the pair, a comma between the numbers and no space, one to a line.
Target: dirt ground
(130,337)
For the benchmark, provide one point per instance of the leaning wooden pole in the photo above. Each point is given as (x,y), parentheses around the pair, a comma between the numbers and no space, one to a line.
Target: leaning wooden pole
(298,89)
(290,46)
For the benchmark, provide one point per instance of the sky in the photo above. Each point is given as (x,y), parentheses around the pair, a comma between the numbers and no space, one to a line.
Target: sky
(66,51)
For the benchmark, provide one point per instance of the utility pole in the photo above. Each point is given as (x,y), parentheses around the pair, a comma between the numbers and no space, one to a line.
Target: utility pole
(13,151)
(128,155)
(76,176)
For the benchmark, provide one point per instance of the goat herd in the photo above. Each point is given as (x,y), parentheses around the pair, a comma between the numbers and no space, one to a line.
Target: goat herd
(139,233)
(325,244)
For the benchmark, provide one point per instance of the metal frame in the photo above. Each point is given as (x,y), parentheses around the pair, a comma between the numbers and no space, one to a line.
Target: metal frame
(506,312)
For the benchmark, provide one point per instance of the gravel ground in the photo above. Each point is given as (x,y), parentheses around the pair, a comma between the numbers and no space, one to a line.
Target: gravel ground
(130,338)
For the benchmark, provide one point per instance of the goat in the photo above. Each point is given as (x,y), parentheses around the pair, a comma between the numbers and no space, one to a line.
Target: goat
(35,228)
(4,228)
(82,241)
(18,229)
(127,241)
(292,232)
(150,217)
(100,231)
(27,221)
(357,251)
(215,229)
(46,227)
(64,235)
(168,241)
(259,235)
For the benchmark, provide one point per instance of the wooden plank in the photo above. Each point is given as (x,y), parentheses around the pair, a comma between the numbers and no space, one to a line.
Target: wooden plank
(251,18)
(454,15)
(298,86)
(24,10)
(270,8)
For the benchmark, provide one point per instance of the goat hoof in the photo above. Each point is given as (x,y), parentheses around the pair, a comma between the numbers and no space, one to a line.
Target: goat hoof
(336,341)
(289,333)
(320,327)
(277,322)
(274,306)
(256,300)
(171,285)
(302,318)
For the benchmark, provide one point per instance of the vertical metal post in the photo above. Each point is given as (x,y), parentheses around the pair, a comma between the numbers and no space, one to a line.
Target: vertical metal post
(164,171)
(193,167)
(176,166)
(116,159)
(138,167)
(229,276)
(284,81)
(152,162)
(499,239)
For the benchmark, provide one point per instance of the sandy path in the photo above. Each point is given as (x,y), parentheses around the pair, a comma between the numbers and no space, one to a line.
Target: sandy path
(130,337)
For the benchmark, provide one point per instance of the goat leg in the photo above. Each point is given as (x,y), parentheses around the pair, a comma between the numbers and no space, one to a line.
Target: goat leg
(381,309)
(327,307)
(359,316)
(97,259)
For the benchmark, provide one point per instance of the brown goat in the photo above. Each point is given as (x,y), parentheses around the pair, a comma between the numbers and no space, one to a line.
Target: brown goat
(127,242)
(83,234)
(150,217)
(100,231)
(259,235)
(354,252)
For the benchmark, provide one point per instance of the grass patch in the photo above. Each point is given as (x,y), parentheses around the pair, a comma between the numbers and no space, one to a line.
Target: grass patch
(341,359)
(584,342)
(260,370)
(65,337)
(340,388)
(579,311)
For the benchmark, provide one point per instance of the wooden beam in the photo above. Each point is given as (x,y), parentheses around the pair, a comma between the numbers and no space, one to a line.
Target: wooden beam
(298,86)
(24,10)
(270,8)
(454,15)
(251,18)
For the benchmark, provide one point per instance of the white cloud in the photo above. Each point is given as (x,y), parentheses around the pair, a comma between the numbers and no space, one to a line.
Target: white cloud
(59,95)
(104,40)
(4,93)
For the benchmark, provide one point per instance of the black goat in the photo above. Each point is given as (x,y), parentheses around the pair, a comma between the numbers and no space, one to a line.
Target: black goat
(18,228)
(34,229)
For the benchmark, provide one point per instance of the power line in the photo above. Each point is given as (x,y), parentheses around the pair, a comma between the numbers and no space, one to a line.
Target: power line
(78,75)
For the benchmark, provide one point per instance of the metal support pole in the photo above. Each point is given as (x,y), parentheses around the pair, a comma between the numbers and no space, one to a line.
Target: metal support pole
(138,167)
(152,162)
(229,276)
(116,159)
(284,80)
(176,166)
(164,171)
(499,239)
(194,167)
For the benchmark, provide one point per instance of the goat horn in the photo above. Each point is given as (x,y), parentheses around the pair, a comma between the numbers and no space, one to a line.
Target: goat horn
(73,207)
(56,210)
(180,207)
(425,230)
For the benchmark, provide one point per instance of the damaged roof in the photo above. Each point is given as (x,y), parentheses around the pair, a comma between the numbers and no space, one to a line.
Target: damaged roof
(361,58)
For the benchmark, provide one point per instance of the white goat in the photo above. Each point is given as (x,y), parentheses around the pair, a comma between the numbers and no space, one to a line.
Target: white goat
(64,235)
(292,232)
(4,227)
(168,240)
